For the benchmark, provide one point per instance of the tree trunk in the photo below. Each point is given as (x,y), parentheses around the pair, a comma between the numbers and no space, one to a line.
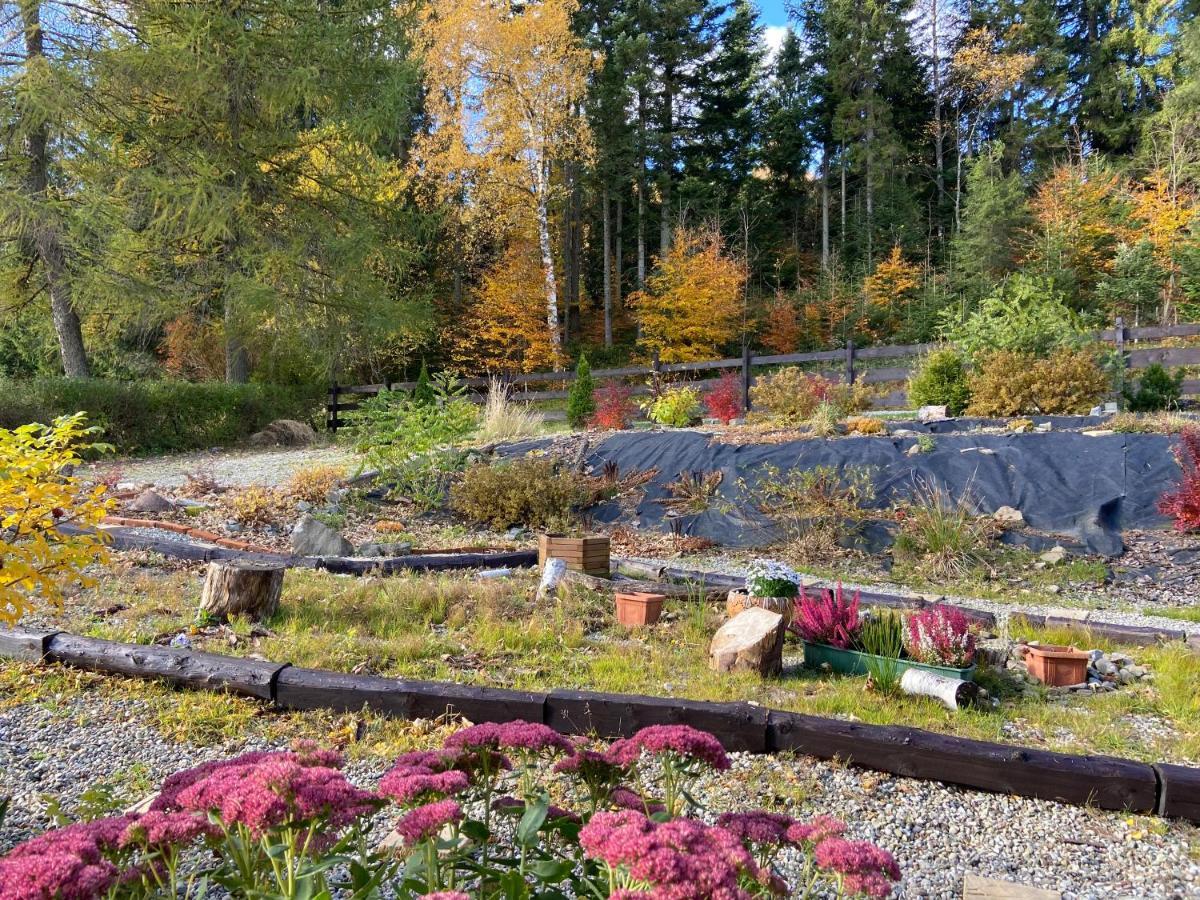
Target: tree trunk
(618,264)
(950,692)
(543,225)
(232,588)
(750,641)
(938,143)
(641,197)
(237,359)
(607,283)
(46,238)
(825,208)
(664,222)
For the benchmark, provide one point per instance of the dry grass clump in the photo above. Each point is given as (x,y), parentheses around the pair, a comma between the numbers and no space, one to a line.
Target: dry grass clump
(943,534)
(1150,423)
(313,483)
(693,492)
(504,420)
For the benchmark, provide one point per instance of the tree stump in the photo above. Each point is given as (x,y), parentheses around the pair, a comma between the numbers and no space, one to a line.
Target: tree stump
(752,640)
(233,588)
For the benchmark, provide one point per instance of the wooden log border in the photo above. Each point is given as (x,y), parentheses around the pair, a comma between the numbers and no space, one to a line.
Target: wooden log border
(339,565)
(1106,782)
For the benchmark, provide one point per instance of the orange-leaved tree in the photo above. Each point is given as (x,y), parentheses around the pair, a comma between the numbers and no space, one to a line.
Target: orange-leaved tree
(1164,208)
(891,288)
(1077,223)
(781,330)
(505,88)
(693,303)
(504,329)
(38,496)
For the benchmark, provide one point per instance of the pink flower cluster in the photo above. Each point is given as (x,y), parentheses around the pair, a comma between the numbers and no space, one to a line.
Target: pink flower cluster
(681,740)
(418,777)
(683,858)
(812,833)
(426,821)
(829,618)
(530,737)
(446,895)
(308,755)
(277,790)
(624,798)
(940,636)
(65,863)
(167,829)
(757,827)
(862,867)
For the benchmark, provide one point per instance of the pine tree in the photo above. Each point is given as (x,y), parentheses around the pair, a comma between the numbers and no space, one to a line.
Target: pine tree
(993,220)
(788,137)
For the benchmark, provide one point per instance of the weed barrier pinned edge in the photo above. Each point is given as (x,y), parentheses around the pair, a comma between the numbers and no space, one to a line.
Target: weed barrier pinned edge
(1101,781)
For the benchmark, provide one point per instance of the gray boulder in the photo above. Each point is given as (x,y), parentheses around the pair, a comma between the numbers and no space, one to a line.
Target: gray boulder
(312,537)
(151,502)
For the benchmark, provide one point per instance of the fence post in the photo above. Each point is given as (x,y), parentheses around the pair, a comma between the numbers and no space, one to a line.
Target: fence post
(656,374)
(746,376)
(849,360)
(1119,342)
(331,421)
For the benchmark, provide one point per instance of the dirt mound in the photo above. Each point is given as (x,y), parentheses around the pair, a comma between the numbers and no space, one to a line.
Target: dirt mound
(284,433)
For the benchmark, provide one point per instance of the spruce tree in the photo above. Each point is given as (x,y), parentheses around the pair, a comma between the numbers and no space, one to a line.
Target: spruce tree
(423,393)
(581,403)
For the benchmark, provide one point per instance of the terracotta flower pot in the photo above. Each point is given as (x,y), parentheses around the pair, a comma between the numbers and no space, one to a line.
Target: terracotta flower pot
(589,555)
(738,600)
(1056,666)
(638,608)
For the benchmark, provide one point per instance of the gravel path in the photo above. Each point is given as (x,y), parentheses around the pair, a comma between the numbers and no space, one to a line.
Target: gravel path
(938,833)
(233,468)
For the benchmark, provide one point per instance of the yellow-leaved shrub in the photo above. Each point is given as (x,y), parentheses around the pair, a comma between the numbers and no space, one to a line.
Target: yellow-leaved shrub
(1007,383)
(38,495)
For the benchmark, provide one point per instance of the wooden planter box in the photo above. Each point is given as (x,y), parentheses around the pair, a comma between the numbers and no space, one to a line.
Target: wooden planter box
(854,662)
(638,608)
(587,554)
(1056,666)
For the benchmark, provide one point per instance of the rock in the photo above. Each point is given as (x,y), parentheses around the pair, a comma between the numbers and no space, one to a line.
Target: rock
(1126,676)
(312,537)
(151,502)
(1097,432)
(1009,515)
(517,533)
(751,641)
(284,433)
(914,450)
(1044,428)
(932,414)
(399,548)
(1054,555)
(1137,671)
(303,506)
(233,527)
(1105,667)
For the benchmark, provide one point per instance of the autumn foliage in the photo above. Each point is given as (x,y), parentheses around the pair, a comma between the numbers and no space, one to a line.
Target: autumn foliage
(891,287)
(1183,503)
(614,406)
(692,305)
(782,329)
(724,401)
(38,494)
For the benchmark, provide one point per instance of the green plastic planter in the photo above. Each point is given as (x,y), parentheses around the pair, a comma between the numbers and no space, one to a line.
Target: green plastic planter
(853,662)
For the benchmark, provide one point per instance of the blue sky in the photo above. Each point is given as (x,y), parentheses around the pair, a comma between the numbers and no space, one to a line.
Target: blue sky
(773,17)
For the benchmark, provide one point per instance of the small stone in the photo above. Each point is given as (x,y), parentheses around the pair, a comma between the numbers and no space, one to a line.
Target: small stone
(1054,555)
(151,502)
(1137,671)
(1009,516)
(233,527)
(303,506)
(312,537)
(1105,667)
(931,413)
(914,450)
(1097,432)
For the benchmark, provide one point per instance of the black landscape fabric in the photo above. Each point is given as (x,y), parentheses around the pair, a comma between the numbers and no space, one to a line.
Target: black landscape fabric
(1089,488)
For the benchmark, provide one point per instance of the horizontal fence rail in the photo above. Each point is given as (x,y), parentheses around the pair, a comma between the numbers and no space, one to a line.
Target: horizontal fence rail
(346,398)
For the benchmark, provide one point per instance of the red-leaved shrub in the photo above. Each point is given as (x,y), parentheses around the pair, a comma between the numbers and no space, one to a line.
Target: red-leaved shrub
(614,409)
(827,618)
(1183,503)
(724,402)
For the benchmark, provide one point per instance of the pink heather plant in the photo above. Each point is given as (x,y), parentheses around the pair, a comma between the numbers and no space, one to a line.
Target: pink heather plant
(827,618)
(940,636)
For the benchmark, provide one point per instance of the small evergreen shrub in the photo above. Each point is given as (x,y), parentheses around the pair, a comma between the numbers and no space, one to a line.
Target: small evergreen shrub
(724,401)
(424,393)
(1013,384)
(1157,390)
(580,401)
(614,407)
(940,379)
(675,407)
(529,492)
(1025,314)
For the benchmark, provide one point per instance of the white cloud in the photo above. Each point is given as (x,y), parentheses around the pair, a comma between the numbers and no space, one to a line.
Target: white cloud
(773,36)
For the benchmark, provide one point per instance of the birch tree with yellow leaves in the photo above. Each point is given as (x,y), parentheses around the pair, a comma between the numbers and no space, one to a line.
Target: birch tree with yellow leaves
(506,83)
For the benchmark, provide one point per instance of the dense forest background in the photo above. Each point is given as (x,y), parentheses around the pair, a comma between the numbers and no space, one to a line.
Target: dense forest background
(297,190)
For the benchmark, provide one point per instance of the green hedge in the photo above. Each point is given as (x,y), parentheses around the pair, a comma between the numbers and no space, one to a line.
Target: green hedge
(159,416)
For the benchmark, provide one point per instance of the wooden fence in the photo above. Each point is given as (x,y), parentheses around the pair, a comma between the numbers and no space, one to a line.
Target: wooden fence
(842,364)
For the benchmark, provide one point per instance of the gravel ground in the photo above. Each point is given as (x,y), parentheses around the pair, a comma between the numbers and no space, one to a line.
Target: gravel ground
(937,833)
(234,468)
